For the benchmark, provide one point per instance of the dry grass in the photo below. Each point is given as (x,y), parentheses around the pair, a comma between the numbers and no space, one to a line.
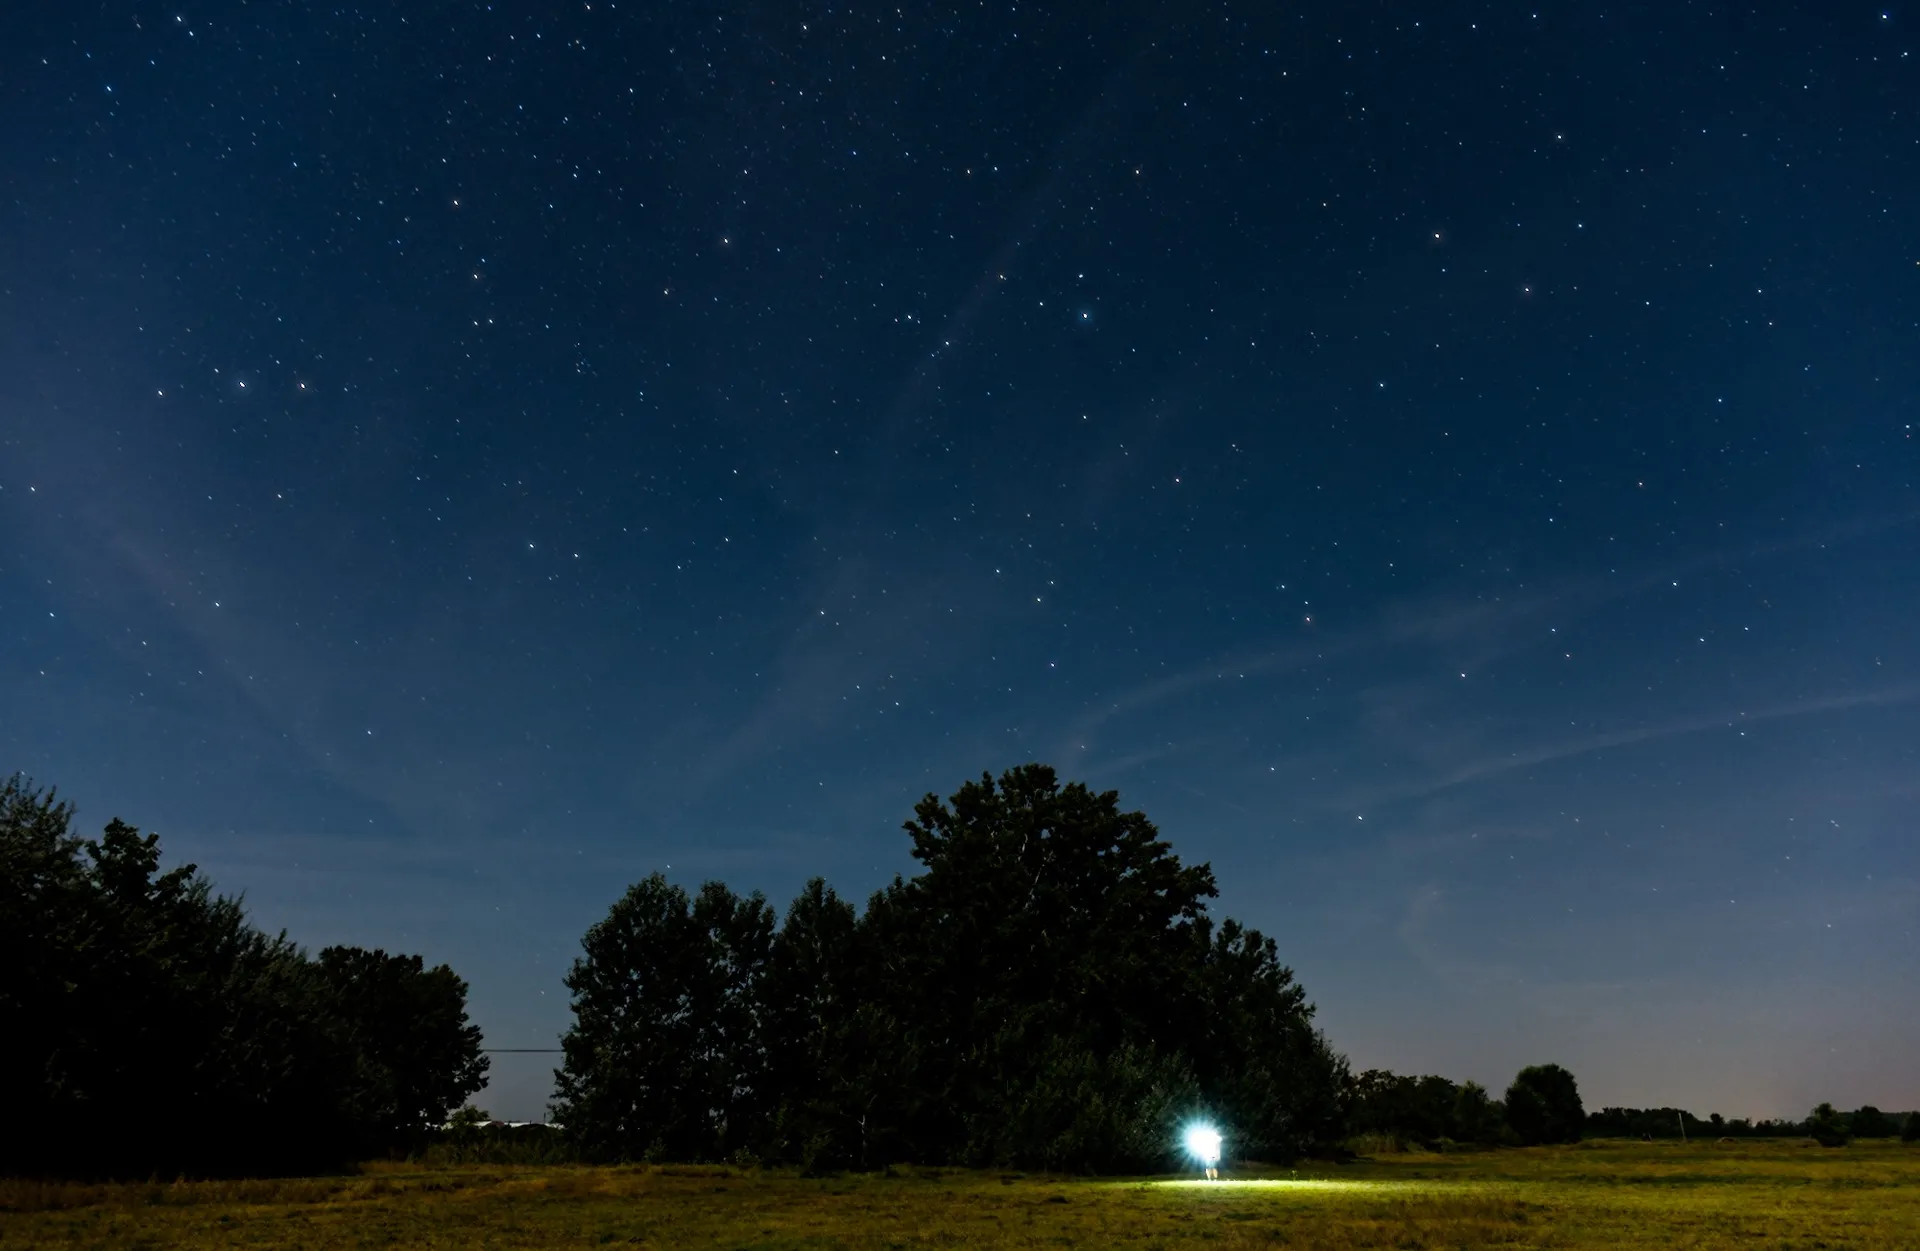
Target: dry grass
(1772,1195)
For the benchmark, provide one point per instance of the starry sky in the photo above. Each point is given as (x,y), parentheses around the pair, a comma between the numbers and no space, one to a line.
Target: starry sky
(1452,465)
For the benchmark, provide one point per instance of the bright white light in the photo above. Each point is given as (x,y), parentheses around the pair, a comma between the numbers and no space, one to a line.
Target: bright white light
(1203,1144)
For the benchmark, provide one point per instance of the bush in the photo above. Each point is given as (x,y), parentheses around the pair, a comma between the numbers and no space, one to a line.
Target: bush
(1373,1142)
(1081,1111)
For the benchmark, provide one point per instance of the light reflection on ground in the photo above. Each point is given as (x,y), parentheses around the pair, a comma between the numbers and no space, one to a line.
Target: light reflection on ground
(1291,1184)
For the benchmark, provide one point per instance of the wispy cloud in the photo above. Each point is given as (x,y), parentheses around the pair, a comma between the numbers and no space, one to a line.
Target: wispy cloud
(1471,631)
(1507,762)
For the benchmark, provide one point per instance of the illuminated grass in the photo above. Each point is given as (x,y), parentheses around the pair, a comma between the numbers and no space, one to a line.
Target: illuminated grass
(1772,1195)
(1295,1185)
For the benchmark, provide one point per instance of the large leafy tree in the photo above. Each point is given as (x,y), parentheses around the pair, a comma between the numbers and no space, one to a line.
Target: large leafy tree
(178,1007)
(148,1026)
(1828,1127)
(1038,893)
(1058,936)
(43,905)
(411,1054)
(836,1071)
(1543,1105)
(1045,917)
(666,1057)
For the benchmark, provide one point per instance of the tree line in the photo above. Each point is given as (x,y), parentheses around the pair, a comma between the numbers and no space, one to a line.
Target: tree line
(1542,1105)
(1050,990)
(147,1028)
(1825,1124)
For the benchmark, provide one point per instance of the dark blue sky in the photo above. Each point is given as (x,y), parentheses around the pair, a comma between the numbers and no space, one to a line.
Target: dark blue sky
(1451,465)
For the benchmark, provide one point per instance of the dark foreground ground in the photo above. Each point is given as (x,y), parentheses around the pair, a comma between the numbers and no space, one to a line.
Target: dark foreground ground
(1607,1194)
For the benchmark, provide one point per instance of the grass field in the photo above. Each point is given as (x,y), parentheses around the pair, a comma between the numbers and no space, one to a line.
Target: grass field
(1610,1194)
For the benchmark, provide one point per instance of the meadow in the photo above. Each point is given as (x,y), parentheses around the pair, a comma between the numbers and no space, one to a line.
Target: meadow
(1772,1194)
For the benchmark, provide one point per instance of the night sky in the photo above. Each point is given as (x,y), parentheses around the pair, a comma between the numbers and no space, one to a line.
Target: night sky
(1453,466)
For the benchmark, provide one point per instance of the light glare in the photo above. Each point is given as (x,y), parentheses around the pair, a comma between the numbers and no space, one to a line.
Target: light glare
(1203,1144)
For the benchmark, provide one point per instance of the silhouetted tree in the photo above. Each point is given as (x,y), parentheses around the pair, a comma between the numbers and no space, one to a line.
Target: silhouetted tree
(44,898)
(1043,913)
(1870,1122)
(176,995)
(412,1056)
(1260,1063)
(816,1059)
(1049,930)
(1910,1128)
(1047,991)
(666,1058)
(470,1116)
(1827,1127)
(1670,1122)
(1543,1105)
(148,1027)
(1428,1110)
(1477,1117)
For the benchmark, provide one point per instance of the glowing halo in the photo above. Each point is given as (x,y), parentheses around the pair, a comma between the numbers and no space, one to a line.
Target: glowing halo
(1203,1144)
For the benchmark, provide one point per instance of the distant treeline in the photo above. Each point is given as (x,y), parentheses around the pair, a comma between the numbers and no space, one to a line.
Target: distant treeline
(147,1028)
(1048,992)
(472,1137)
(1823,1122)
(1542,1105)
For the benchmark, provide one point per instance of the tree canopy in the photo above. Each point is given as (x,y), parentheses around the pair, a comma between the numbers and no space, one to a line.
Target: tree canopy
(1828,1126)
(146,1026)
(1543,1105)
(1049,990)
